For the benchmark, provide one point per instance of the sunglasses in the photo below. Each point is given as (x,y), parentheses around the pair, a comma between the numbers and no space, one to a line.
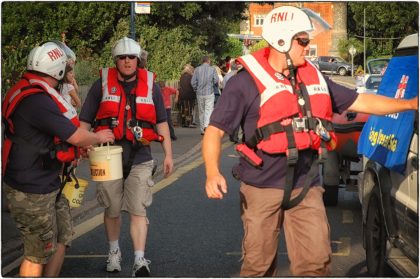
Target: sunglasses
(123,57)
(303,41)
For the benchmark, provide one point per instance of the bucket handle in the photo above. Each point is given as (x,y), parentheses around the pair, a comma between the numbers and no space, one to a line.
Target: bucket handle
(108,153)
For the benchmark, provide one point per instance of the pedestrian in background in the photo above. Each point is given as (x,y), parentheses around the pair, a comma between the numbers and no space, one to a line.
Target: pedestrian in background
(227,63)
(234,137)
(39,122)
(167,92)
(203,81)
(218,87)
(126,99)
(285,106)
(187,96)
(70,90)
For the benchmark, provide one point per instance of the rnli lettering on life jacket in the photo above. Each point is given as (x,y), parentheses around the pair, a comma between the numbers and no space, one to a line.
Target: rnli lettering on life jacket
(114,103)
(280,104)
(33,84)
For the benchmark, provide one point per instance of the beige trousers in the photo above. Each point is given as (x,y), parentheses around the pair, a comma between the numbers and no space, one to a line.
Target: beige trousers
(305,226)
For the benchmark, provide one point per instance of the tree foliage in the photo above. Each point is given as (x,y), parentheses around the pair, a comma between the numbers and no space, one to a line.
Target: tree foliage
(174,33)
(386,24)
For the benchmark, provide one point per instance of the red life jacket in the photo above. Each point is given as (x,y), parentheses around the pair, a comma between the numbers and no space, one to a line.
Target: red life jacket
(279,105)
(114,106)
(34,84)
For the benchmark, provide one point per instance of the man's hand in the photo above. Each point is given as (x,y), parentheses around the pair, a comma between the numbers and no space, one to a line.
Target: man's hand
(84,151)
(168,166)
(216,186)
(105,136)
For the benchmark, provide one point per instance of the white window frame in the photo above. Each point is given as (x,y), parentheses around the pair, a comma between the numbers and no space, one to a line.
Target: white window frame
(259,20)
(313,48)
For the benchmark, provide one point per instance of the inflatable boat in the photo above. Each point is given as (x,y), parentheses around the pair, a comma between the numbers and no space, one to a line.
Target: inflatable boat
(347,127)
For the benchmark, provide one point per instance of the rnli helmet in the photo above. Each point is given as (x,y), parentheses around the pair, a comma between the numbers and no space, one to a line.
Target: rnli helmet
(48,58)
(283,23)
(126,46)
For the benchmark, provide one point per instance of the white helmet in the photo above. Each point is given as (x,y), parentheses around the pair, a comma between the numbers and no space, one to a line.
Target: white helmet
(49,58)
(126,46)
(71,56)
(283,23)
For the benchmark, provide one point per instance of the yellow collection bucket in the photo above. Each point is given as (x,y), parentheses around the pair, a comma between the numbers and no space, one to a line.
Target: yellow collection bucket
(106,163)
(74,191)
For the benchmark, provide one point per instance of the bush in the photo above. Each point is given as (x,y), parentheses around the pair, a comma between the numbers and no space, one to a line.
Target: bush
(261,44)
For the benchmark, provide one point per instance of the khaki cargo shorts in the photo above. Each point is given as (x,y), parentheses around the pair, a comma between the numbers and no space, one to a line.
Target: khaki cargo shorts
(133,195)
(41,221)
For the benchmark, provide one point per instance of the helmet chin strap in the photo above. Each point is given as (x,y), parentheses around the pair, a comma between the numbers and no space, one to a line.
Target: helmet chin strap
(292,70)
(60,84)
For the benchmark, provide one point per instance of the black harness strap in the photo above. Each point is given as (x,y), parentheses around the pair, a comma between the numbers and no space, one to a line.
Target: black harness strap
(276,127)
(136,144)
(292,158)
(110,121)
(288,203)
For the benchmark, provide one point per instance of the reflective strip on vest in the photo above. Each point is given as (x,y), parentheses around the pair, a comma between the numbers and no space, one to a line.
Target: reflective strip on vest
(106,97)
(149,99)
(71,111)
(321,88)
(272,87)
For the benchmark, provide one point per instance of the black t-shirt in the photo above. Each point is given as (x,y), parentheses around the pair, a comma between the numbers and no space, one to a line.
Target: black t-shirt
(37,119)
(91,106)
(239,106)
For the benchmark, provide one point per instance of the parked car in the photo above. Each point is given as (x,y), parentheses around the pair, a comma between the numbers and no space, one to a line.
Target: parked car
(389,198)
(333,64)
(369,82)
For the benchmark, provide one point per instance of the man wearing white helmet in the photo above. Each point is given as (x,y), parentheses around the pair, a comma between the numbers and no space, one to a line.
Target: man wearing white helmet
(284,106)
(126,99)
(42,132)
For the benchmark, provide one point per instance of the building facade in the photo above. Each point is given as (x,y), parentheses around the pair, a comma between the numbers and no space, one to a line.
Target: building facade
(335,13)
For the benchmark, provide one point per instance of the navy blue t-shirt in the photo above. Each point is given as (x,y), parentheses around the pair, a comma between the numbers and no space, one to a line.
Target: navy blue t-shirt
(239,106)
(91,106)
(37,119)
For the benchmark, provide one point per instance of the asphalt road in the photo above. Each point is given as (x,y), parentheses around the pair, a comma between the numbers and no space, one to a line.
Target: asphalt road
(192,236)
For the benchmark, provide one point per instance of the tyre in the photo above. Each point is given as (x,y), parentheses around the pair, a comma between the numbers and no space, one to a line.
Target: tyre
(330,195)
(342,71)
(331,179)
(375,236)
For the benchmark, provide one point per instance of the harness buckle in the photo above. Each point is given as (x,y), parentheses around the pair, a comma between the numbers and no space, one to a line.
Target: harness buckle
(114,122)
(300,124)
(292,156)
(138,132)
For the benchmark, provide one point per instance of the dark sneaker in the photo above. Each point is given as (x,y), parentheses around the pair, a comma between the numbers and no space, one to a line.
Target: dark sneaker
(141,268)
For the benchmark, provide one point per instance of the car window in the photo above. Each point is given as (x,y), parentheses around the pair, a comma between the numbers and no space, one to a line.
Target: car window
(324,58)
(339,59)
(373,82)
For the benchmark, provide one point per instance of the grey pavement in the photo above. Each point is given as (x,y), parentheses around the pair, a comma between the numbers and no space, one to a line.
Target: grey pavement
(186,148)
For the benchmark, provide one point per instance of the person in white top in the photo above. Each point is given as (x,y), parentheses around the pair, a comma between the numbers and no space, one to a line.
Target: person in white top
(70,89)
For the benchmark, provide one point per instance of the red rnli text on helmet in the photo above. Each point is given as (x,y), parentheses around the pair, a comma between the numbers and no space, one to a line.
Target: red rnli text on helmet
(283,16)
(55,54)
